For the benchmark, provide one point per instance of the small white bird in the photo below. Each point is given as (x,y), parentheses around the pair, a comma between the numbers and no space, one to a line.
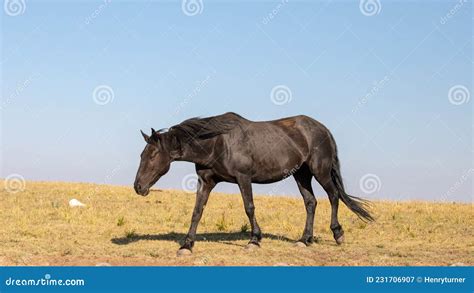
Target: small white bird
(75,203)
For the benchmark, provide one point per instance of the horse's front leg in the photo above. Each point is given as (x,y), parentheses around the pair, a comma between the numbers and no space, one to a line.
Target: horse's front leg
(202,195)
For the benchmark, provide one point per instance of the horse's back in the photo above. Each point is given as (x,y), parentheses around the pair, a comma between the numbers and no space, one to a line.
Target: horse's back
(271,149)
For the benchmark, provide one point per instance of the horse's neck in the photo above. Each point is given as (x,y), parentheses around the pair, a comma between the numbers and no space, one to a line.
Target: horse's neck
(198,152)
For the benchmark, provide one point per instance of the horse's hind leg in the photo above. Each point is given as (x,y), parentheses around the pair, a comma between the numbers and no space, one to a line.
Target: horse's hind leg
(323,176)
(303,178)
(245,185)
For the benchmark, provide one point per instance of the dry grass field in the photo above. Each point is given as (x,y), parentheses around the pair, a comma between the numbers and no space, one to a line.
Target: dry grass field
(118,227)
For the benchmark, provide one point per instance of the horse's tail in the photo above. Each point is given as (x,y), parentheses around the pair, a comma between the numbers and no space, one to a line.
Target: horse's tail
(356,204)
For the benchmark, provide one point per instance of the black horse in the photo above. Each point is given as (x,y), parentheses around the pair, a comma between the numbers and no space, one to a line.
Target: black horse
(230,148)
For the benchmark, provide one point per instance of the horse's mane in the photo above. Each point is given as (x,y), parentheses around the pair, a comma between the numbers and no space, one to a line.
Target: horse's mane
(205,128)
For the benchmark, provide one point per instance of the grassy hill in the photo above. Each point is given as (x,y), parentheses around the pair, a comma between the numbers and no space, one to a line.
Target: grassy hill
(118,227)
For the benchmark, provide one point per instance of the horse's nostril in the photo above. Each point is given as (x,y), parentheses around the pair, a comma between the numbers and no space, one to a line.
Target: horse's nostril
(138,187)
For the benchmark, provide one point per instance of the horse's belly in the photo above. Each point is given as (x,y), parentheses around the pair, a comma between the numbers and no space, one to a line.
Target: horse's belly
(275,152)
(275,166)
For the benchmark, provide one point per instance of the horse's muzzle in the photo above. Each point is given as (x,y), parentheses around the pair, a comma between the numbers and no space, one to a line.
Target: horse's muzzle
(141,190)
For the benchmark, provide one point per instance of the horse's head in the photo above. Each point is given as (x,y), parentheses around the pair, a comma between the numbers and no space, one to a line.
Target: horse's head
(155,162)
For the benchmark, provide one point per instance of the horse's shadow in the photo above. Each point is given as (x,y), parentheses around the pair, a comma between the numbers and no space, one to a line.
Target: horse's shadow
(179,237)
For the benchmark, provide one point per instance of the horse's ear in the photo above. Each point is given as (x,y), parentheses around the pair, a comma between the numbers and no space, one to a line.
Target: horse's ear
(155,136)
(146,137)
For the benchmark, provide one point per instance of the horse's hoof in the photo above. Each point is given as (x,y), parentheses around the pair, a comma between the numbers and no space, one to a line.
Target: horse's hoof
(184,252)
(300,244)
(252,246)
(340,240)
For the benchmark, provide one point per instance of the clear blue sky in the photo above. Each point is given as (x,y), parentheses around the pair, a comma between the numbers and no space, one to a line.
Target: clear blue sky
(381,83)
